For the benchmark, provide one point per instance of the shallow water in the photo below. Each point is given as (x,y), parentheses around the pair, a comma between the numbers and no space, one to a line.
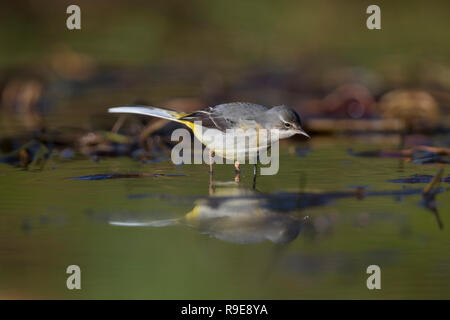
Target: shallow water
(303,233)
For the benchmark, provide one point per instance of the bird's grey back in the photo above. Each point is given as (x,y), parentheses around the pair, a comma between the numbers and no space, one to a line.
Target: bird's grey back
(227,115)
(242,110)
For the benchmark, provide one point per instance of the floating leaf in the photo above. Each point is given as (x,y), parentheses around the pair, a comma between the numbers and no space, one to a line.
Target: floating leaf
(419,178)
(107,176)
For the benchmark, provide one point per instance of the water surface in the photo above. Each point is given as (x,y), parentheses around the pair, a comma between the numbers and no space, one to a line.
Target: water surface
(303,233)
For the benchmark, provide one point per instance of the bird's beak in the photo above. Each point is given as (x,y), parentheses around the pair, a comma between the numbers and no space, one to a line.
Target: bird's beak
(300,131)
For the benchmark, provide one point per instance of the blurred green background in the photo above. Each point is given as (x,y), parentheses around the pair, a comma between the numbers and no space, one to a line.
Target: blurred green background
(235,32)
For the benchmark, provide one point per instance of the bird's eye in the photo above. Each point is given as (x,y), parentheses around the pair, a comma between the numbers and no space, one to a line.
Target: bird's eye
(287,124)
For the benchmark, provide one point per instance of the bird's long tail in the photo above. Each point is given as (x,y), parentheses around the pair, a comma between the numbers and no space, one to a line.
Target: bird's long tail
(153,112)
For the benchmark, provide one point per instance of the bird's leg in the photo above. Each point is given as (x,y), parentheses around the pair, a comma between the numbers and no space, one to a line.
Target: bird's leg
(255,168)
(255,171)
(236,166)
(211,189)
(211,156)
(237,178)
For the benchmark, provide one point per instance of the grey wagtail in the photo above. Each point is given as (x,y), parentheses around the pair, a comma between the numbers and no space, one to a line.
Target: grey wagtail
(223,117)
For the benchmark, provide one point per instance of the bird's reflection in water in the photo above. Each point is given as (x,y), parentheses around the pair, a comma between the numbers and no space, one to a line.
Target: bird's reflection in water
(237,214)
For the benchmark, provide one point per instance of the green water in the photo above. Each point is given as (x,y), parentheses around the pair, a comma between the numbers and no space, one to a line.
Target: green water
(48,222)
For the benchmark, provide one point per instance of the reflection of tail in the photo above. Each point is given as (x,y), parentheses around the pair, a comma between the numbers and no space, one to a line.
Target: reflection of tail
(151,223)
(153,112)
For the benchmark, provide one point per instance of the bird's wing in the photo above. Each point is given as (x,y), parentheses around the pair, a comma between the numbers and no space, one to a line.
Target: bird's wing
(226,116)
(209,119)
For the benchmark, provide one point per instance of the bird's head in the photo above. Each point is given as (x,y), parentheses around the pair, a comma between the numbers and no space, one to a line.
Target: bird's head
(286,120)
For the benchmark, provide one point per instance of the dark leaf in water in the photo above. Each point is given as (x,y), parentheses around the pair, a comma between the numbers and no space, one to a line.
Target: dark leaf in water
(423,157)
(419,178)
(418,154)
(124,176)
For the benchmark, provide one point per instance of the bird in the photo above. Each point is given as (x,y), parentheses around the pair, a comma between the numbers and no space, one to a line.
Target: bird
(221,118)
